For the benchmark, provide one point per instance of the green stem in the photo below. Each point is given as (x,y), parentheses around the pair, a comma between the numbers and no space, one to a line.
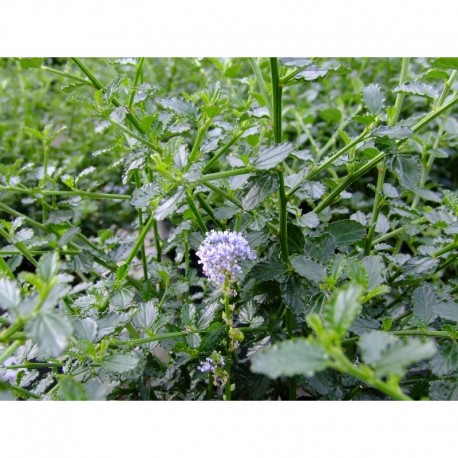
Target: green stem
(227,312)
(98,85)
(34,365)
(328,162)
(140,228)
(138,74)
(366,375)
(225,174)
(24,393)
(400,97)
(350,179)
(140,240)
(203,203)
(70,76)
(219,153)
(378,202)
(20,246)
(262,85)
(449,247)
(92,195)
(397,231)
(192,206)
(287,78)
(378,198)
(138,137)
(157,242)
(282,200)
(195,152)
(9,351)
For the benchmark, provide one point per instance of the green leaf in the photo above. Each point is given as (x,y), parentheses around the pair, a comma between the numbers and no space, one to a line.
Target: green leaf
(308,268)
(443,390)
(270,270)
(119,363)
(314,72)
(268,158)
(181,106)
(373,99)
(294,293)
(207,315)
(69,235)
(446,62)
(146,315)
(396,132)
(372,345)
(48,266)
(31,62)
(342,308)
(50,330)
(417,88)
(71,390)
(331,115)
(375,270)
(260,187)
(408,170)
(289,358)
(169,205)
(86,329)
(10,295)
(424,302)
(118,114)
(122,297)
(448,311)
(389,355)
(346,232)
(142,197)
(446,360)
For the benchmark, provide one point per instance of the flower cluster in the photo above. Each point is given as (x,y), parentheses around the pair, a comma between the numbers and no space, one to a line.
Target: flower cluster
(212,363)
(220,252)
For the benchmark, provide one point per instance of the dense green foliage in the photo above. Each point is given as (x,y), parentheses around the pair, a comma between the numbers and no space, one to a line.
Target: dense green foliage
(339,173)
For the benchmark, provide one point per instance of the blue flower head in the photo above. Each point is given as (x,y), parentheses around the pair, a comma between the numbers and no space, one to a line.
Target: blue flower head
(220,253)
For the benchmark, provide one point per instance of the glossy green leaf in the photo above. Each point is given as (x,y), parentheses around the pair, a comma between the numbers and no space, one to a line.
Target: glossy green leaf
(51,331)
(169,205)
(346,232)
(374,99)
(417,88)
(396,132)
(270,157)
(10,295)
(260,188)
(308,268)
(119,363)
(424,302)
(31,62)
(289,358)
(342,308)
(390,355)
(445,362)
(408,169)
(181,106)
(446,62)
(48,267)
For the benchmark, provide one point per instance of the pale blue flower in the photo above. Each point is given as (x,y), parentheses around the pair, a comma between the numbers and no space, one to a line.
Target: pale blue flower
(220,253)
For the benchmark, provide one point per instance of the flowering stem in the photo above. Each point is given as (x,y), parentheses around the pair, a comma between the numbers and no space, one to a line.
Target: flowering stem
(227,312)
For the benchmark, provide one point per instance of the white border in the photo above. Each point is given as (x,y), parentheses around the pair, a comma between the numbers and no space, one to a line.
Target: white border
(234,28)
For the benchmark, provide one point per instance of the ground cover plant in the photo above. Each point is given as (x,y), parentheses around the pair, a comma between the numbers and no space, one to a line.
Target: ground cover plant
(245,229)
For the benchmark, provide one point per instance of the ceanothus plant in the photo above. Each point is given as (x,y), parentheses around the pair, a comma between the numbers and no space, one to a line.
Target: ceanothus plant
(229,229)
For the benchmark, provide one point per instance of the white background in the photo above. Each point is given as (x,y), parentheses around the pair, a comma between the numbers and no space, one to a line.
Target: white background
(228,28)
